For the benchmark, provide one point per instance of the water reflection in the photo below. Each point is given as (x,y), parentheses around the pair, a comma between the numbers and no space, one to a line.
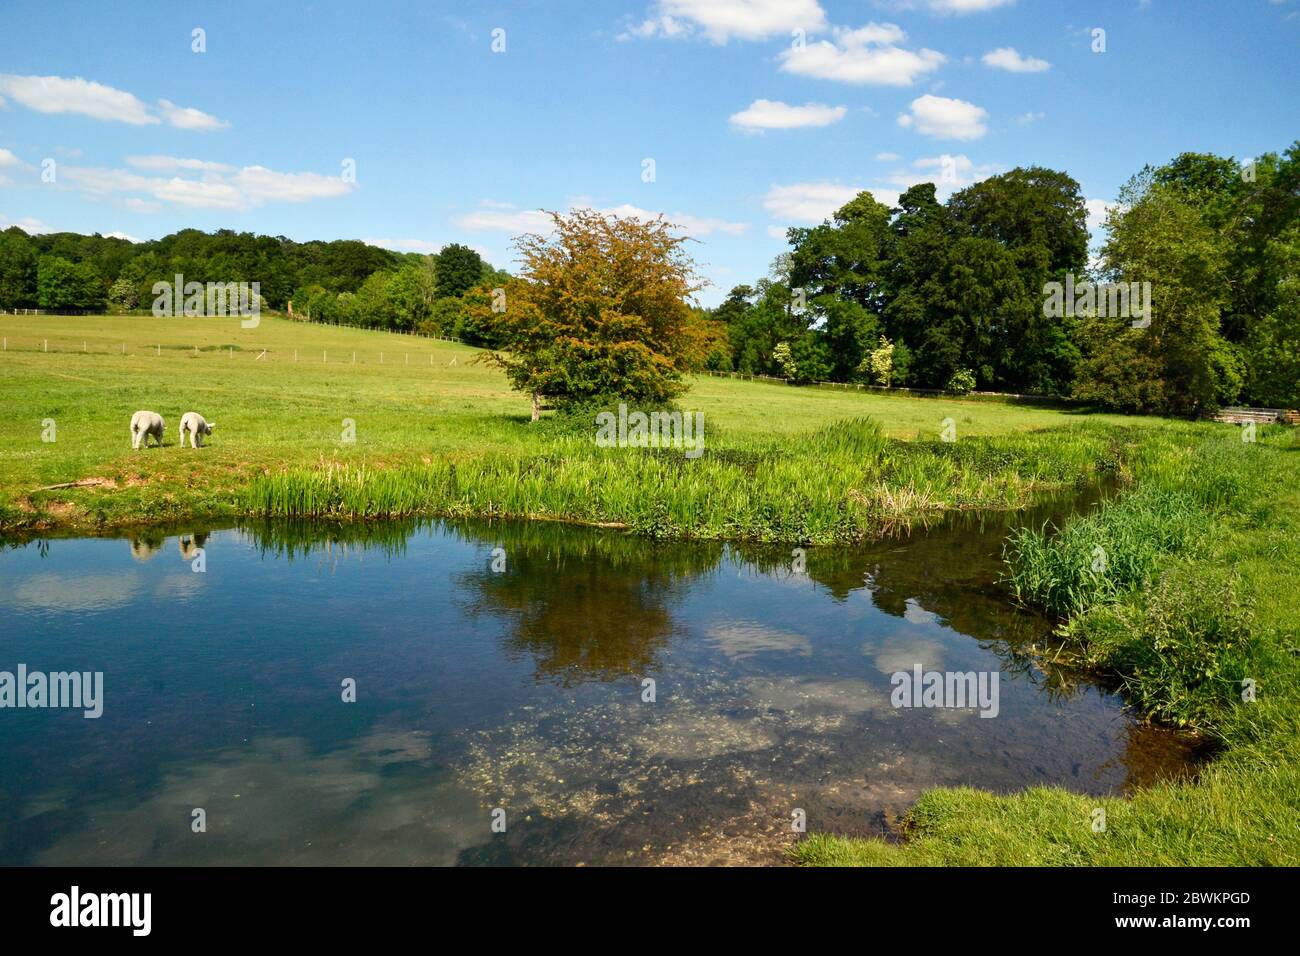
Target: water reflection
(583,605)
(520,688)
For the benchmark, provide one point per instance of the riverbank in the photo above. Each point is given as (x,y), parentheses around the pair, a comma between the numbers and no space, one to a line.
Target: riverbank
(1201,629)
(323,421)
(1199,595)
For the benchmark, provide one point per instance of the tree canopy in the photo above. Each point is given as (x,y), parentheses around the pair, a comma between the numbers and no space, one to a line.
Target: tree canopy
(346,282)
(599,309)
(921,294)
(958,287)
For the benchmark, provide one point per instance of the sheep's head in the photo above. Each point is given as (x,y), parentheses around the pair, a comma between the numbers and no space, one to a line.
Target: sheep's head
(207,429)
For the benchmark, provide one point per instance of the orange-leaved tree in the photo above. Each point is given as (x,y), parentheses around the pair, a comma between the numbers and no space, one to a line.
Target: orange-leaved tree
(600,308)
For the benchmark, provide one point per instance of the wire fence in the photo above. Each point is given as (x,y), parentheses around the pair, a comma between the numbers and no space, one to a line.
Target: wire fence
(301,319)
(428,359)
(232,352)
(900,391)
(47,312)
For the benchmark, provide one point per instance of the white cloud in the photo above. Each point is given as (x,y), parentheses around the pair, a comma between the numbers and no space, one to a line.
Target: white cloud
(1024,119)
(808,204)
(504,217)
(721,20)
(948,172)
(33,227)
(8,159)
(694,225)
(218,188)
(59,94)
(776,232)
(198,193)
(406,245)
(773,114)
(868,54)
(184,117)
(887,196)
(657,26)
(1007,58)
(1097,211)
(168,164)
(507,218)
(120,235)
(945,118)
(263,185)
(963,6)
(100,181)
(888,157)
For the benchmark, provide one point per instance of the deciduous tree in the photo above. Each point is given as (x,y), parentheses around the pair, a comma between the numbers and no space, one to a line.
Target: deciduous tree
(600,308)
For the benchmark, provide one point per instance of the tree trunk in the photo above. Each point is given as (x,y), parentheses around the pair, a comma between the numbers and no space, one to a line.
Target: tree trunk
(537,407)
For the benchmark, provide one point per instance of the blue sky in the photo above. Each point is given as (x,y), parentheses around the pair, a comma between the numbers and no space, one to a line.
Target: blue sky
(757,114)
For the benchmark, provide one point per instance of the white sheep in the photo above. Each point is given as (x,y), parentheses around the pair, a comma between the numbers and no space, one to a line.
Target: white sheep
(144,424)
(193,423)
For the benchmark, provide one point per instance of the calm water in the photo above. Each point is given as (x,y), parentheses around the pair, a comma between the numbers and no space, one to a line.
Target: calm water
(518,689)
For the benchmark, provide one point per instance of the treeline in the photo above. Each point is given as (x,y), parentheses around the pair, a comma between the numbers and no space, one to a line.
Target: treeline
(346,282)
(953,295)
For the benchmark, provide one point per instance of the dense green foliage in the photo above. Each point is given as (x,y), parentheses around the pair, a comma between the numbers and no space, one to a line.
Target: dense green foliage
(344,282)
(1219,243)
(952,288)
(962,286)
(600,309)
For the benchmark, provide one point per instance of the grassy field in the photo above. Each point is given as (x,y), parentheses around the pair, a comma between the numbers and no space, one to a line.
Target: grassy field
(1197,592)
(437,434)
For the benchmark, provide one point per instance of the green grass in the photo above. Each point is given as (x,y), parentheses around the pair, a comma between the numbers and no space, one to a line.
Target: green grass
(1198,593)
(438,434)
(1099,557)
(1201,596)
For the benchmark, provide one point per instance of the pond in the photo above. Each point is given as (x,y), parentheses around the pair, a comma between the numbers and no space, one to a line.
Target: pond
(598,698)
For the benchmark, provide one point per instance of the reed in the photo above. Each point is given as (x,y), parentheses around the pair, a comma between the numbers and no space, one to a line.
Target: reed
(842,483)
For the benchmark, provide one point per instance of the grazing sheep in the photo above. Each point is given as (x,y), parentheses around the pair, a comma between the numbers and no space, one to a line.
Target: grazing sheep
(144,424)
(193,423)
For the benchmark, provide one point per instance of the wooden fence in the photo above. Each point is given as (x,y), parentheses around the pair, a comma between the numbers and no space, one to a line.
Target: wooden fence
(1261,416)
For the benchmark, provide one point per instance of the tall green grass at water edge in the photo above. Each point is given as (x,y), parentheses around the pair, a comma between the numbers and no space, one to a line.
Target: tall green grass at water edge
(1133,582)
(842,483)
(1197,619)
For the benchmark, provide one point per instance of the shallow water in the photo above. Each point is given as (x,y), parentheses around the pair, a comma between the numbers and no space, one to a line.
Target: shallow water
(519,689)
